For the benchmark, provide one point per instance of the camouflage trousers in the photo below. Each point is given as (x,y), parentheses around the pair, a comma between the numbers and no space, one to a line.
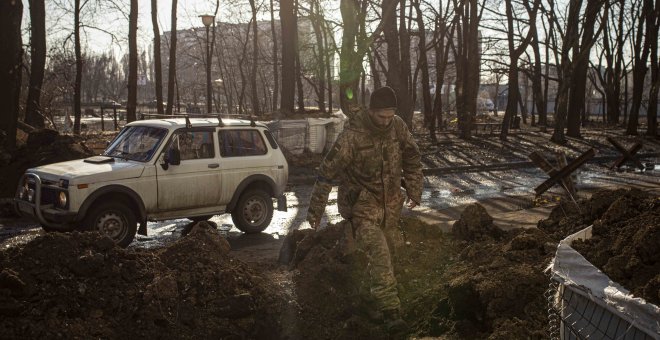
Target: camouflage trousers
(376,239)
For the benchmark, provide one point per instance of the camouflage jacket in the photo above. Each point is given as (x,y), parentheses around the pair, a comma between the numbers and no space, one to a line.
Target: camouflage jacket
(371,164)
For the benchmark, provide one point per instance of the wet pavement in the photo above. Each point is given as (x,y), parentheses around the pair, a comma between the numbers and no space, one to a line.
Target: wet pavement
(443,199)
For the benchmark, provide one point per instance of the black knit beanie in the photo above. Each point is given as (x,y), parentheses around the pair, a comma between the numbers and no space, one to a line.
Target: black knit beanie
(383,98)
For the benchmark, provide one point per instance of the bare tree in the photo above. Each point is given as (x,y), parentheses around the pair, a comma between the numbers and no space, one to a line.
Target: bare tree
(276,78)
(158,68)
(427,110)
(33,114)
(653,25)
(576,105)
(396,78)
(132,62)
(79,68)
(570,42)
(11,15)
(255,55)
(641,51)
(467,59)
(514,57)
(172,68)
(289,32)
(444,36)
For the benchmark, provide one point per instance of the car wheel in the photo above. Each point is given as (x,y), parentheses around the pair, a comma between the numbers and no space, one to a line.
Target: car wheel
(114,220)
(200,218)
(253,211)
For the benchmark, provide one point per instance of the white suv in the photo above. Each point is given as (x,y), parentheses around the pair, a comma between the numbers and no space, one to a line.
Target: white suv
(162,169)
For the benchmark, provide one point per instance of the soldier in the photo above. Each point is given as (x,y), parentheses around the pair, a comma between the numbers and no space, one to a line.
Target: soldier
(374,157)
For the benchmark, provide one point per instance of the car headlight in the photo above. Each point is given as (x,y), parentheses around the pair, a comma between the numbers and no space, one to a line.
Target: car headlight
(61,199)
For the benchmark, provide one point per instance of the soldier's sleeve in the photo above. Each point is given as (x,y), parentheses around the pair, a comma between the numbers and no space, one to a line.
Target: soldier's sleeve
(412,166)
(334,163)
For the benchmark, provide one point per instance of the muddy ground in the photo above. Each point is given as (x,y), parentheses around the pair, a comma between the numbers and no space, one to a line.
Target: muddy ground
(82,286)
(475,282)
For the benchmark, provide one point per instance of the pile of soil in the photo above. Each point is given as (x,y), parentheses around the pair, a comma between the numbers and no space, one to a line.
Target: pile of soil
(80,285)
(41,147)
(568,218)
(482,282)
(495,287)
(625,242)
(478,282)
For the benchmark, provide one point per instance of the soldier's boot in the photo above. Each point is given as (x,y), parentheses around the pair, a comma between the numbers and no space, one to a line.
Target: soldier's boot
(394,324)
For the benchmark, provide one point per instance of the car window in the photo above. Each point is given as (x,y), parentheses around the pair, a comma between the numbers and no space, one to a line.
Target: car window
(238,143)
(137,143)
(193,144)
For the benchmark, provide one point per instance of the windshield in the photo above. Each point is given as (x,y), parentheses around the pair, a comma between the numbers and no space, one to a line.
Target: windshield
(136,143)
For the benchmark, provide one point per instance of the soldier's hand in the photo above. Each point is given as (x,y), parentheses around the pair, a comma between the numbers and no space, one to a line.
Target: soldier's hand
(410,203)
(313,220)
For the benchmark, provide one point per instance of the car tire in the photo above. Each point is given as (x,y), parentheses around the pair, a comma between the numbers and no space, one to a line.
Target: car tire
(253,211)
(114,220)
(200,218)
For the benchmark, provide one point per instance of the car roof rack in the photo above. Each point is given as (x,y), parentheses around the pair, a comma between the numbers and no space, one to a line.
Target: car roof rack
(194,115)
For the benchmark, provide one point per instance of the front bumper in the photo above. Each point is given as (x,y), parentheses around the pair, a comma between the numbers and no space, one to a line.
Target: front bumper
(46,215)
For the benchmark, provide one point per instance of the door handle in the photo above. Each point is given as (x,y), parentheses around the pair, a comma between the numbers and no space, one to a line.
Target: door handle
(214,165)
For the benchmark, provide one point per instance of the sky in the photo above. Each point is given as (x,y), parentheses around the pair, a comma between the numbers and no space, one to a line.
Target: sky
(99,41)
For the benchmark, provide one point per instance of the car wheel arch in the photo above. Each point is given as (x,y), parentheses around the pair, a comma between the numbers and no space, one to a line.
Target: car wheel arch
(126,194)
(254,181)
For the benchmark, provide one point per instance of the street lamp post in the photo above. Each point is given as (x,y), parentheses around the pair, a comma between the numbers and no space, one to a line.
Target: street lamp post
(207,20)
(218,83)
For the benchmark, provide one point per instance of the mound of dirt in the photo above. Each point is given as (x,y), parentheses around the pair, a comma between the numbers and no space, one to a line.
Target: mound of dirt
(331,282)
(42,147)
(475,224)
(568,218)
(625,242)
(495,287)
(80,285)
(482,282)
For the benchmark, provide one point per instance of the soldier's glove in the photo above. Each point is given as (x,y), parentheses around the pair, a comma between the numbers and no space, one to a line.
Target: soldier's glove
(410,203)
(314,219)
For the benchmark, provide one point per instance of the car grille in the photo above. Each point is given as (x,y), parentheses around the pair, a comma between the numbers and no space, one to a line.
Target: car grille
(48,195)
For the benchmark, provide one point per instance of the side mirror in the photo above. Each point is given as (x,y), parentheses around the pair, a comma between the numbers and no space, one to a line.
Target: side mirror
(173,157)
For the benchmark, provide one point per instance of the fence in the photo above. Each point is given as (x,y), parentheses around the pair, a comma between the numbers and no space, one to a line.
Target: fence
(312,134)
(583,303)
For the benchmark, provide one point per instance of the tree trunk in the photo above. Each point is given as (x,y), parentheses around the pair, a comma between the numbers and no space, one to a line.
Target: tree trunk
(11,13)
(328,57)
(515,53)
(395,77)
(171,77)
(350,66)
(299,85)
(132,63)
(580,67)
(255,58)
(570,42)
(652,114)
(276,75)
(537,85)
(641,55)
(404,96)
(158,67)
(33,114)
(321,52)
(467,66)
(288,22)
(79,68)
(427,110)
